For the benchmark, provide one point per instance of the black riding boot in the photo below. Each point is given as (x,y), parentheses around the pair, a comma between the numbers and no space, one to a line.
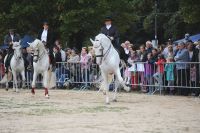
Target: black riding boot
(7,62)
(123,55)
(53,62)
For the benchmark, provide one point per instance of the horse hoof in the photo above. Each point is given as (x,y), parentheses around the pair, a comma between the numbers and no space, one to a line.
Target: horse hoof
(104,93)
(33,92)
(114,100)
(47,96)
(127,89)
(6,89)
(107,103)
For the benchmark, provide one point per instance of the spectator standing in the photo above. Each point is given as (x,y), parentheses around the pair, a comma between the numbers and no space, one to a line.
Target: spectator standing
(149,47)
(126,48)
(73,64)
(158,76)
(154,55)
(140,66)
(63,54)
(57,56)
(58,59)
(169,68)
(165,51)
(67,53)
(133,69)
(194,68)
(182,68)
(85,65)
(149,69)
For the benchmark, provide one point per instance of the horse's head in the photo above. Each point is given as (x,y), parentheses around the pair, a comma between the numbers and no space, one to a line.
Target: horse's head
(17,50)
(101,45)
(36,44)
(35,48)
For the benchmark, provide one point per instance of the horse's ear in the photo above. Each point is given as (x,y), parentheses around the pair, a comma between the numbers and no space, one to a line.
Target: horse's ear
(29,43)
(92,41)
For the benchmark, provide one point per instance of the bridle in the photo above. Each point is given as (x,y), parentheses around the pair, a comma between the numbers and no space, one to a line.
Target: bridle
(102,55)
(15,54)
(36,55)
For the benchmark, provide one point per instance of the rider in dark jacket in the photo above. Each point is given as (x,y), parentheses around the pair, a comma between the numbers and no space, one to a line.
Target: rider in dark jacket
(47,36)
(112,33)
(8,40)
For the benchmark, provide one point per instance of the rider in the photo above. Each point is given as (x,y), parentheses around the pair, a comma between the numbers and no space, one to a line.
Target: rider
(47,36)
(112,33)
(8,40)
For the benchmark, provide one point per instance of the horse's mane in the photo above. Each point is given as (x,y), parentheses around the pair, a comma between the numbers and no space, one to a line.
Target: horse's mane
(103,37)
(39,43)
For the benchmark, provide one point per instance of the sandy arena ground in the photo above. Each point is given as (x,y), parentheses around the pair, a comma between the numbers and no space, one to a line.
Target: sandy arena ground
(85,112)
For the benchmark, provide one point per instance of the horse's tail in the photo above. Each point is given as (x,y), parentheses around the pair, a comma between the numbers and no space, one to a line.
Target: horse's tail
(51,79)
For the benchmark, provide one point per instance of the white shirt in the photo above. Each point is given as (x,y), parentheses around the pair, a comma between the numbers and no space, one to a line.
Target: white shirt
(108,27)
(63,55)
(126,50)
(12,37)
(44,35)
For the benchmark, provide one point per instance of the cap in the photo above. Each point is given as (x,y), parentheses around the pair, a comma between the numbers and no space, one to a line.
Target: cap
(45,23)
(11,29)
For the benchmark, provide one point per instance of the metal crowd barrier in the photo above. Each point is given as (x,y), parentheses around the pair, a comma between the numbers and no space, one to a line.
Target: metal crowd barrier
(141,75)
(176,76)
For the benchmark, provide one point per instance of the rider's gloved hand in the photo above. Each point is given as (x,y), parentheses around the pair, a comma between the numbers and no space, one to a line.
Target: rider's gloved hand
(111,38)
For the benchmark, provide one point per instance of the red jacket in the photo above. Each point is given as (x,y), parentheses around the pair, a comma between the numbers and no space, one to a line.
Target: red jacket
(160,65)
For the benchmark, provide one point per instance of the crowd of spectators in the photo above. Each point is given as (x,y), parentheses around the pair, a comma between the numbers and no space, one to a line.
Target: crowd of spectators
(173,67)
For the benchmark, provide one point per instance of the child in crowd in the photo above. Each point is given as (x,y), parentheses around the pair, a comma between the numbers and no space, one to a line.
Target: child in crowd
(148,71)
(169,68)
(133,69)
(140,66)
(127,76)
(158,76)
(85,65)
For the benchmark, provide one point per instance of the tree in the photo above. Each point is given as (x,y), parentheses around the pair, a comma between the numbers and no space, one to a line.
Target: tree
(78,20)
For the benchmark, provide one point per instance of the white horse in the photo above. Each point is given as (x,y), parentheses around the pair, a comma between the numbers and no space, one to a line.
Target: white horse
(108,60)
(41,65)
(17,66)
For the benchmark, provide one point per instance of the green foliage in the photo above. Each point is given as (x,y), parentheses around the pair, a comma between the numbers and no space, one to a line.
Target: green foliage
(78,20)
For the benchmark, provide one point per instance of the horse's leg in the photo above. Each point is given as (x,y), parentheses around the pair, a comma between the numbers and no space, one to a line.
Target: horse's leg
(120,79)
(23,79)
(6,86)
(115,91)
(6,82)
(33,82)
(45,83)
(15,87)
(105,86)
